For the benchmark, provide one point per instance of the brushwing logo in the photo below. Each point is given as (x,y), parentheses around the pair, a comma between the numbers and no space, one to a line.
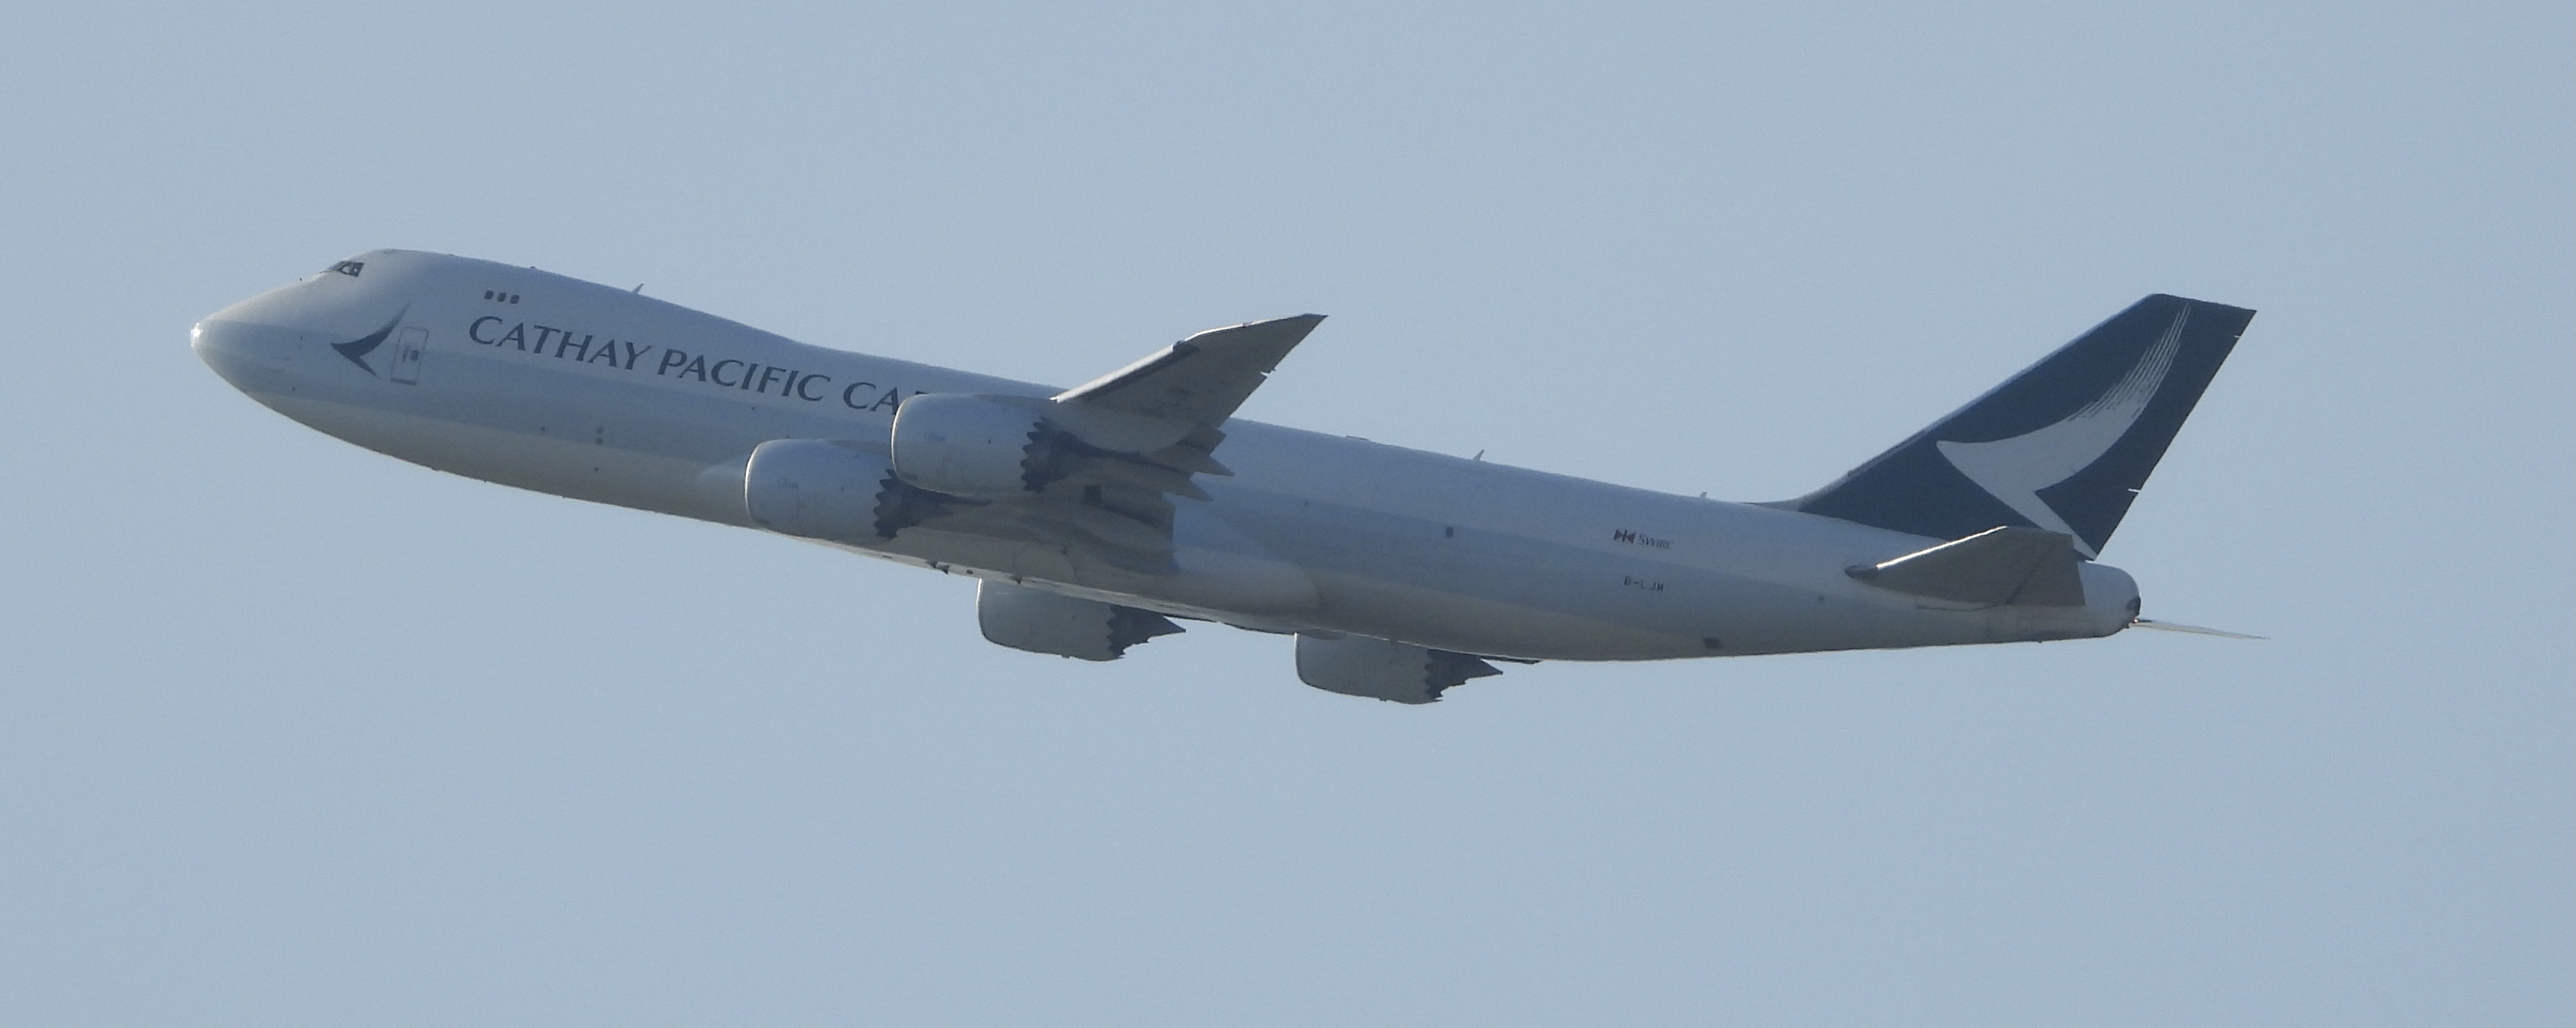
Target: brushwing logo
(2015,470)
(358,349)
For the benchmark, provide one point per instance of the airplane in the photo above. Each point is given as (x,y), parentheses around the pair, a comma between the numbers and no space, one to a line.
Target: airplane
(1102,516)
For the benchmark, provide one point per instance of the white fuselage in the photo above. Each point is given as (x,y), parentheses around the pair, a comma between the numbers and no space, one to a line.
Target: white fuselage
(534,380)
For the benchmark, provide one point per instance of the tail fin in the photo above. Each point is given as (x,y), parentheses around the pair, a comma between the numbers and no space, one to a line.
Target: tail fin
(2063,446)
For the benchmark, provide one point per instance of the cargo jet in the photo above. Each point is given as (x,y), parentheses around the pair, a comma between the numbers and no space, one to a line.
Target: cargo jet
(1099,517)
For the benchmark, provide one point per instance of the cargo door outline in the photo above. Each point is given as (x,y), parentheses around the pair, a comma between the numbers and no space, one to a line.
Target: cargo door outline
(407,351)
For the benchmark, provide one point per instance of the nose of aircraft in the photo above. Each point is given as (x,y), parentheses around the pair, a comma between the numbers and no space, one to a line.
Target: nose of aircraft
(208,345)
(251,346)
(273,342)
(255,343)
(232,350)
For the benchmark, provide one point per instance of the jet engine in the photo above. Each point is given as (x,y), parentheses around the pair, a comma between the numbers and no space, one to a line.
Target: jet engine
(830,490)
(1357,665)
(970,446)
(1042,622)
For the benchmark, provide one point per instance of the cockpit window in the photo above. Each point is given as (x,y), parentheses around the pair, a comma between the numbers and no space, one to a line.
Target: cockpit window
(349,268)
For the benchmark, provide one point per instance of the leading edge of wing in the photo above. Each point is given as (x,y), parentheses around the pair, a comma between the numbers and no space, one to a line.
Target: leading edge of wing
(1199,380)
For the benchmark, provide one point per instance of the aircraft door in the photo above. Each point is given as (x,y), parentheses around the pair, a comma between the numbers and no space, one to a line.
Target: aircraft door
(407,351)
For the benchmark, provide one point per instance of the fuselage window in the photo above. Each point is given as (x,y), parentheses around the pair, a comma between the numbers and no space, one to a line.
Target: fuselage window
(500,297)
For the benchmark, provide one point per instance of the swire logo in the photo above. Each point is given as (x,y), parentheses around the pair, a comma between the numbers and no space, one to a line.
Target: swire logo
(2015,470)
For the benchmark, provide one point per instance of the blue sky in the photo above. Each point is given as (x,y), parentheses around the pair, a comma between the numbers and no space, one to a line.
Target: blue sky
(296,733)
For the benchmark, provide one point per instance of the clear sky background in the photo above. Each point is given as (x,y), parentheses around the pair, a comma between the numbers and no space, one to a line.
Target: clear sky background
(291,732)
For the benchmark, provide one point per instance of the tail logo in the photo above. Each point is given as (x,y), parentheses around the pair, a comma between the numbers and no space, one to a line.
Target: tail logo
(2015,470)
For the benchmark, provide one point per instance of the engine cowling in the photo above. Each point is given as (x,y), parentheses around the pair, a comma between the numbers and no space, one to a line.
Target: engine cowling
(968,446)
(1042,622)
(827,490)
(1358,665)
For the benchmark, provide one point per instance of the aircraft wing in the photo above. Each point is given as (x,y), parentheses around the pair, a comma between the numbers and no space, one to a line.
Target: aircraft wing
(1199,380)
(1130,440)
(1176,397)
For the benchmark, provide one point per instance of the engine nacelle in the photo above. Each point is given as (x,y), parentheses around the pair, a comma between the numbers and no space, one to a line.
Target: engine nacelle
(1358,665)
(1042,622)
(826,490)
(967,446)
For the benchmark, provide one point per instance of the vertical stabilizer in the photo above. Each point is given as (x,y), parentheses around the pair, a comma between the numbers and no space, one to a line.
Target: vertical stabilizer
(2064,446)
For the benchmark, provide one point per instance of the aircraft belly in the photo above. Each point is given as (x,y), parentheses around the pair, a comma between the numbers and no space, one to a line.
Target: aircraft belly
(562,467)
(1732,583)
(1465,590)
(1219,571)
(1461,622)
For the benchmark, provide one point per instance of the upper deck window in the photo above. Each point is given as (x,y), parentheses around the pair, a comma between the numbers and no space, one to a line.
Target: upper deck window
(349,268)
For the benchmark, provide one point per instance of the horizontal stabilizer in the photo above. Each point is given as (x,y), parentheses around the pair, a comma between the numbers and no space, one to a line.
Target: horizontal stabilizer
(2010,565)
